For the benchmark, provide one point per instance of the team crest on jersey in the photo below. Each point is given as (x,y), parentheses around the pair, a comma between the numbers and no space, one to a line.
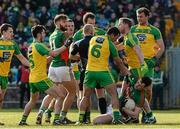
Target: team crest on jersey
(141,37)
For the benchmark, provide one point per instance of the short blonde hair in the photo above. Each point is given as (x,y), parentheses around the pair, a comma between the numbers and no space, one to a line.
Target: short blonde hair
(88,29)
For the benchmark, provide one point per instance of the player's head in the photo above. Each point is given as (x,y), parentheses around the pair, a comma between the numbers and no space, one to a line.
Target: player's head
(70,27)
(142,15)
(88,29)
(60,21)
(89,18)
(143,82)
(38,32)
(113,33)
(6,31)
(124,25)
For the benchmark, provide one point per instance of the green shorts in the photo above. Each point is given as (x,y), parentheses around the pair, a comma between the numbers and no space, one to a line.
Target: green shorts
(77,75)
(41,86)
(115,74)
(3,82)
(150,71)
(94,78)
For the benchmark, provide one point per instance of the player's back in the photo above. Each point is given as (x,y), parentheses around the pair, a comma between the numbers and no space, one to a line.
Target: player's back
(98,54)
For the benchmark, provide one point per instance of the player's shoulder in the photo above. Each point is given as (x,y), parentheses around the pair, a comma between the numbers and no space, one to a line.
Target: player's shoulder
(154,28)
(56,32)
(100,31)
(134,27)
(80,31)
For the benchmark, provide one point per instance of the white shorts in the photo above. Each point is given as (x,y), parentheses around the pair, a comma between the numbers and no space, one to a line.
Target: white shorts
(60,74)
(109,110)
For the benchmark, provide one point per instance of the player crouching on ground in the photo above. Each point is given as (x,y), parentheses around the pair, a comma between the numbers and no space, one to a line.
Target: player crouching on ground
(129,111)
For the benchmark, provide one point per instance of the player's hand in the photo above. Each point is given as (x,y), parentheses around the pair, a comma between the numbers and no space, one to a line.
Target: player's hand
(144,68)
(125,72)
(152,62)
(68,42)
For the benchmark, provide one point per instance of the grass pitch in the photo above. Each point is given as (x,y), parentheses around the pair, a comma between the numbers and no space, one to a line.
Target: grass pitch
(168,119)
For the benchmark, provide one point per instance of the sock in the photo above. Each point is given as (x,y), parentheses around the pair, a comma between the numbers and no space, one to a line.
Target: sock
(116,114)
(102,105)
(56,117)
(149,114)
(63,115)
(41,110)
(24,118)
(49,111)
(81,116)
(87,116)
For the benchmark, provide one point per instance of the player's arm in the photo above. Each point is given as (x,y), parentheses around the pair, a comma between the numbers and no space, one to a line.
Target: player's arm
(149,93)
(159,41)
(74,50)
(23,60)
(161,48)
(20,57)
(134,113)
(117,60)
(56,52)
(139,53)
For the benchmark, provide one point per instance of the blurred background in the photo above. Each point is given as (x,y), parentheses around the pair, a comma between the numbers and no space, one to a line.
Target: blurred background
(23,14)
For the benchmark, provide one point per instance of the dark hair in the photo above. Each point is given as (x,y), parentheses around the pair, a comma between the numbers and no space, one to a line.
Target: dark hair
(37,29)
(146,80)
(113,30)
(60,17)
(126,21)
(87,16)
(143,10)
(4,27)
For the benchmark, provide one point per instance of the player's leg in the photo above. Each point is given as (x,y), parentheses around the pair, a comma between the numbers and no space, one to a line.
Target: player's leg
(77,77)
(150,118)
(111,89)
(33,99)
(103,119)
(44,105)
(84,104)
(70,85)
(58,103)
(49,111)
(101,100)
(2,94)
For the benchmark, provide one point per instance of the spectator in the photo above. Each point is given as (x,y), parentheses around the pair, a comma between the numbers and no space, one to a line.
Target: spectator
(23,83)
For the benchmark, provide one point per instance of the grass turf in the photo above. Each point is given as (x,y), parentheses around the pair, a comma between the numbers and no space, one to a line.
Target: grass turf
(168,119)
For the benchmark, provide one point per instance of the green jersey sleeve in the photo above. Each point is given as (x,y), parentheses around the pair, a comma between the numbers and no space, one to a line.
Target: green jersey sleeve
(99,31)
(42,49)
(157,33)
(78,35)
(17,50)
(113,50)
(133,28)
(133,40)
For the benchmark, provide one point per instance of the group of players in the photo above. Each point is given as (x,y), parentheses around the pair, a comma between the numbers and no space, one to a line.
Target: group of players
(131,50)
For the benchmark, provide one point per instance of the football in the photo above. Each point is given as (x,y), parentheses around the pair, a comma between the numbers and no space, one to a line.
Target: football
(130,104)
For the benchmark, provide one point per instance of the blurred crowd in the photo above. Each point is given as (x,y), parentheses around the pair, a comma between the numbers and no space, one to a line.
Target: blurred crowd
(23,14)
